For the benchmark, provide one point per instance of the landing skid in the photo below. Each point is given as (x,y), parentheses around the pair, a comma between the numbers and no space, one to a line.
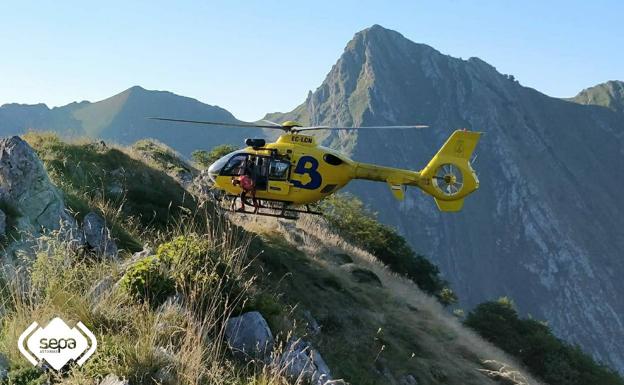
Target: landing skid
(270,208)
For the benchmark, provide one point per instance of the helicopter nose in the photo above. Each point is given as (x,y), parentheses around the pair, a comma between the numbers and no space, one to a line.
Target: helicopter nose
(213,171)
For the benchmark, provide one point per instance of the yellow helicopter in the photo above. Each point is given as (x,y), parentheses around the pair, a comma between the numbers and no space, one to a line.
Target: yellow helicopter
(295,171)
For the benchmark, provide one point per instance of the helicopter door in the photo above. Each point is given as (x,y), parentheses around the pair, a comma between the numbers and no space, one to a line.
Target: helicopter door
(278,176)
(260,166)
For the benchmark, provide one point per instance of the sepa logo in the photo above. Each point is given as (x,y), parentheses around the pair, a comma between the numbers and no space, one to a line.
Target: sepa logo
(57,344)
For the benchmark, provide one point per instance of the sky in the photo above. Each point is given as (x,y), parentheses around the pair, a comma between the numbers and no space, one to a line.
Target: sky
(254,57)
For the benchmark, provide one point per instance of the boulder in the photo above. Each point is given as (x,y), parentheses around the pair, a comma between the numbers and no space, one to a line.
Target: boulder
(249,335)
(112,379)
(97,235)
(302,362)
(26,187)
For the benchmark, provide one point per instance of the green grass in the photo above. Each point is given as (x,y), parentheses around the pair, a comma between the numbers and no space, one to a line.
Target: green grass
(89,171)
(361,327)
(133,333)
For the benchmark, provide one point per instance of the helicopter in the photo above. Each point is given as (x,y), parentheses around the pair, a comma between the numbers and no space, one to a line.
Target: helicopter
(295,171)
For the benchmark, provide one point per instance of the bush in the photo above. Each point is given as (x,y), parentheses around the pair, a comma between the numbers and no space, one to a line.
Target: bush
(532,342)
(147,280)
(347,215)
(205,158)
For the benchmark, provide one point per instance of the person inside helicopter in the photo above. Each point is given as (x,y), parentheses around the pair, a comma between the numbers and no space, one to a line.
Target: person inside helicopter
(247,182)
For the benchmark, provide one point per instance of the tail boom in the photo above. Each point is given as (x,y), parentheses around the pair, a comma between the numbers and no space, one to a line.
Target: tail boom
(448,177)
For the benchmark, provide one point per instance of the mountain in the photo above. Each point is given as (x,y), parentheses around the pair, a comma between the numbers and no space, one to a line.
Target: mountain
(545,227)
(122,118)
(609,94)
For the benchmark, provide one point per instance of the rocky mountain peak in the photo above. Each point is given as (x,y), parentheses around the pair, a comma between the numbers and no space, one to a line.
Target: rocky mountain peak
(519,235)
(609,94)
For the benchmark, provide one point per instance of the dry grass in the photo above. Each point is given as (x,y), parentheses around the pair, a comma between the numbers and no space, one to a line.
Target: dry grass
(403,312)
(179,342)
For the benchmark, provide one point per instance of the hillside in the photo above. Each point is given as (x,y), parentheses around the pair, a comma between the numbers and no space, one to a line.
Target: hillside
(609,94)
(372,328)
(122,118)
(541,229)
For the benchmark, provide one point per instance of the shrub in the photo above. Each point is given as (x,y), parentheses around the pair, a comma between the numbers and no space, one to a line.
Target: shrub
(347,215)
(147,280)
(533,343)
(205,158)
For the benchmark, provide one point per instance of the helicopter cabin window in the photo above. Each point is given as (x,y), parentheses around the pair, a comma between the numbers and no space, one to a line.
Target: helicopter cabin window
(235,166)
(278,169)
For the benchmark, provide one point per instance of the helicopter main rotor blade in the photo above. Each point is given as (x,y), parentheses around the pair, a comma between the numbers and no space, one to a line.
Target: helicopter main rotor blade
(273,123)
(247,125)
(357,128)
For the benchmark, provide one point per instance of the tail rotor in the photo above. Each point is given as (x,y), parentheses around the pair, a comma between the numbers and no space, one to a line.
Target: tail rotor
(448,179)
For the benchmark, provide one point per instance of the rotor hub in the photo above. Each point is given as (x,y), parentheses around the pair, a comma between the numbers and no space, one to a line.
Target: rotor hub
(448,179)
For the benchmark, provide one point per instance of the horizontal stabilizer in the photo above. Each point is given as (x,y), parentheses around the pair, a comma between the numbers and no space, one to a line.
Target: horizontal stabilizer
(455,205)
(397,190)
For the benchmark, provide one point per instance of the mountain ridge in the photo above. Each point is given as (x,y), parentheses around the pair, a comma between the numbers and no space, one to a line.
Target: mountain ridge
(123,118)
(609,94)
(518,235)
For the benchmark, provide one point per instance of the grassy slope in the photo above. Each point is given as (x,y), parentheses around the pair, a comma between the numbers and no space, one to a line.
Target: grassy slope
(370,334)
(116,181)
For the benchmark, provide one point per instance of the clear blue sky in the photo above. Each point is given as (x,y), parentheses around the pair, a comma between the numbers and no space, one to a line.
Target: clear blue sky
(252,57)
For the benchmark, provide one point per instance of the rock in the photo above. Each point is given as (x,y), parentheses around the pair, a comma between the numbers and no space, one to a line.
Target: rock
(26,187)
(312,325)
(302,362)
(184,177)
(2,224)
(101,287)
(97,235)
(202,184)
(4,367)
(112,379)
(408,379)
(249,335)
(146,252)
(362,275)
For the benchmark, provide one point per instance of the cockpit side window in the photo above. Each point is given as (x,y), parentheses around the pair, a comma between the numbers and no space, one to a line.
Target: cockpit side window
(278,169)
(235,166)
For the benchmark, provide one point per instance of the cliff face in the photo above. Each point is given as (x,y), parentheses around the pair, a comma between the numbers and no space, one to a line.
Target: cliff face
(545,226)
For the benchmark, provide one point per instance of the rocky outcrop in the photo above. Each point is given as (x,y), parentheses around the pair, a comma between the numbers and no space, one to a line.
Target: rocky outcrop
(301,362)
(112,379)
(249,335)
(97,236)
(26,188)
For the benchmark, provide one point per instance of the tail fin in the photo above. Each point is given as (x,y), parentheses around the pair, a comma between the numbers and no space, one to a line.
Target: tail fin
(461,144)
(449,176)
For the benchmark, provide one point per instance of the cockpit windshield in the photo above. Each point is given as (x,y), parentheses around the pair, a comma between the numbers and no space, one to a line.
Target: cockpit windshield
(236,157)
